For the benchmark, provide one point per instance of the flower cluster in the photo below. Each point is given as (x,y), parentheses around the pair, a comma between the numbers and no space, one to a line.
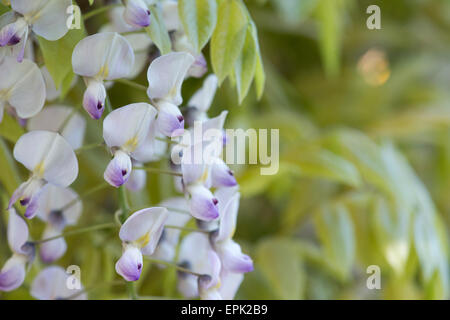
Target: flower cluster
(211,265)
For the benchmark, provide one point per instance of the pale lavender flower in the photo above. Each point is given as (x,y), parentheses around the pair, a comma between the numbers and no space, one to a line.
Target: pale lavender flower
(50,159)
(125,130)
(46,18)
(140,235)
(13,272)
(165,76)
(52,284)
(23,89)
(100,57)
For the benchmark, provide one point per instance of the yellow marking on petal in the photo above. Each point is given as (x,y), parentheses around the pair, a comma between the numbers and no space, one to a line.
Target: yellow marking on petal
(144,240)
(103,73)
(39,169)
(131,144)
(204,176)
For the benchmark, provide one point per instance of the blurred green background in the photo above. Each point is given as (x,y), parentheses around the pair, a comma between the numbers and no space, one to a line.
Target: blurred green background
(364,179)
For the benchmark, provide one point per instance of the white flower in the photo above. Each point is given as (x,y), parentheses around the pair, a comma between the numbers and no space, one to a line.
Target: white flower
(125,130)
(102,56)
(23,88)
(165,76)
(53,117)
(46,18)
(50,159)
(140,235)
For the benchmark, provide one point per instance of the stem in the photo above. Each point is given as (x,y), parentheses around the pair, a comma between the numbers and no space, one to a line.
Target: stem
(174,265)
(78,231)
(88,147)
(100,10)
(87,193)
(132,290)
(108,105)
(123,203)
(131,84)
(187,229)
(155,170)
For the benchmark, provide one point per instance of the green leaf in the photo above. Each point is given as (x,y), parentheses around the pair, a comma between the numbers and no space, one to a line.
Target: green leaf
(324,164)
(9,176)
(199,18)
(3,9)
(228,37)
(260,76)
(329,17)
(91,2)
(336,233)
(10,128)
(245,65)
(58,56)
(391,226)
(158,31)
(279,261)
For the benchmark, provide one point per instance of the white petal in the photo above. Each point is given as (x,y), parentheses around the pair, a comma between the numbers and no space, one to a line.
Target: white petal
(50,22)
(170,15)
(203,203)
(137,179)
(24,86)
(232,258)
(17,232)
(94,98)
(55,198)
(106,56)
(53,117)
(137,13)
(230,283)
(51,251)
(119,169)
(166,74)
(128,126)
(221,175)
(144,228)
(52,92)
(12,274)
(153,149)
(51,284)
(170,120)
(130,264)
(228,208)
(203,98)
(49,155)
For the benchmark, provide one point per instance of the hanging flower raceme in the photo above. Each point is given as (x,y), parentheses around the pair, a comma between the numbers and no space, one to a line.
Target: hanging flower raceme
(125,130)
(52,284)
(140,235)
(100,57)
(46,18)
(197,255)
(22,87)
(137,13)
(13,272)
(177,217)
(59,208)
(60,118)
(50,159)
(165,76)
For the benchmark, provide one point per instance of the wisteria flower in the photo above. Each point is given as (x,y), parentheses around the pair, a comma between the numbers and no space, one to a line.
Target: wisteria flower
(197,255)
(59,208)
(100,57)
(23,89)
(201,100)
(140,235)
(50,159)
(54,117)
(124,131)
(137,13)
(46,18)
(182,44)
(52,284)
(166,248)
(165,76)
(13,272)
